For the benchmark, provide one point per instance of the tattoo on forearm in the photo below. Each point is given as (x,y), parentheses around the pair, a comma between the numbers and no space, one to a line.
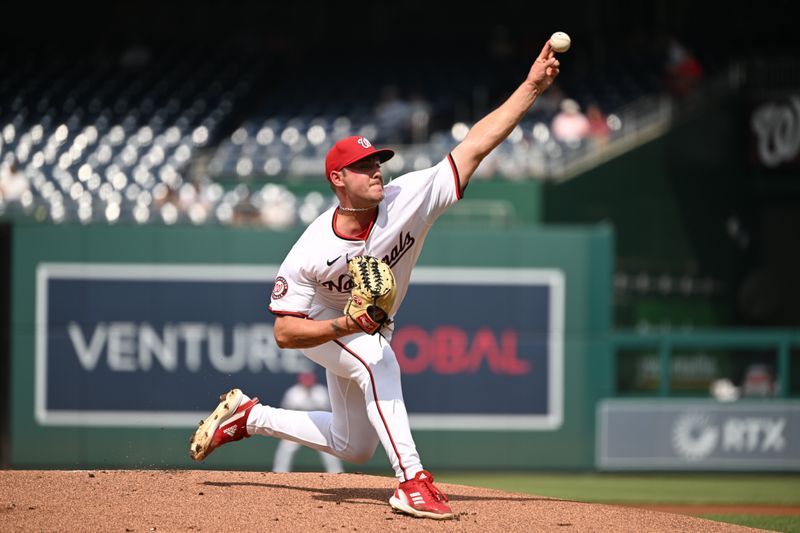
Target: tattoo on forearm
(336,328)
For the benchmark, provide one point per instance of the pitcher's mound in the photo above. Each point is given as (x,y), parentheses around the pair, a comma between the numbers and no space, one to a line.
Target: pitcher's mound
(216,501)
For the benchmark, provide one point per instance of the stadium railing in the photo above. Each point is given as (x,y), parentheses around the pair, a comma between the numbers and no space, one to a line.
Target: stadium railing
(667,343)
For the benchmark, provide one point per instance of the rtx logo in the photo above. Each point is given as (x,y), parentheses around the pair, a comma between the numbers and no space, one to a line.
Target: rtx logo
(695,436)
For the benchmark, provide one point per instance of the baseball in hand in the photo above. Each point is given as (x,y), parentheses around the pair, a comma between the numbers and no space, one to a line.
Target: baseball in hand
(560,41)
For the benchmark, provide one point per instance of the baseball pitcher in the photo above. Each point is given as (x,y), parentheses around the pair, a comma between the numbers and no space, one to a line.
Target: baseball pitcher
(339,288)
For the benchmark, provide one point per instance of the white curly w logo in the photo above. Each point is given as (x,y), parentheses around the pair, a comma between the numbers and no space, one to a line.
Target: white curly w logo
(364,142)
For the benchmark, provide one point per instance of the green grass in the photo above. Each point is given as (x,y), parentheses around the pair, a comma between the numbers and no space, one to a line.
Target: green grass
(752,489)
(787,524)
(643,488)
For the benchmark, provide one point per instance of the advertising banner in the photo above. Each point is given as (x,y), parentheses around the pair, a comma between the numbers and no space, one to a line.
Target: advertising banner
(155,344)
(775,132)
(698,435)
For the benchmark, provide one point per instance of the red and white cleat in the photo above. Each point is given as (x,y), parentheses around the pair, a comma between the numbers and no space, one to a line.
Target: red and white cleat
(226,424)
(421,498)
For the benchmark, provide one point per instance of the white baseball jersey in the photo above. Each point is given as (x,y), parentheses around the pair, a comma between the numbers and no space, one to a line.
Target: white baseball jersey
(313,280)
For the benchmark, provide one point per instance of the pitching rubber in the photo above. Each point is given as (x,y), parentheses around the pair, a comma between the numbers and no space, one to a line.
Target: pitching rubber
(200,443)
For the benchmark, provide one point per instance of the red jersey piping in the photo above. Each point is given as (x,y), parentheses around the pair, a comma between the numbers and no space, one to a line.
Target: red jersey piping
(459,192)
(287,313)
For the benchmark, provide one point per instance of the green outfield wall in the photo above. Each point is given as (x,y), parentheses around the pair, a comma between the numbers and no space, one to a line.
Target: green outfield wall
(85,394)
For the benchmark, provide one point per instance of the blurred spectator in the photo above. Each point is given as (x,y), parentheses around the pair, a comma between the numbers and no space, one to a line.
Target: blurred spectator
(682,72)
(758,381)
(13,183)
(278,206)
(420,117)
(598,124)
(246,212)
(393,115)
(187,195)
(549,103)
(166,203)
(194,201)
(723,390)
(570,125)
(305,395)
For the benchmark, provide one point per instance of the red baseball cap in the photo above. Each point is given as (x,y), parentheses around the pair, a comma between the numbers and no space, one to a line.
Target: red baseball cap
(306,378)
(351,149)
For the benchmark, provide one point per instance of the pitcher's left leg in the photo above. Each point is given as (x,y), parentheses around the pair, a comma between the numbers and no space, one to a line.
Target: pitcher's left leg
(378,374)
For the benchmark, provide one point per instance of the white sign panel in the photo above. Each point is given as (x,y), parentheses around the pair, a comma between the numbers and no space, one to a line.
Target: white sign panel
(698,435)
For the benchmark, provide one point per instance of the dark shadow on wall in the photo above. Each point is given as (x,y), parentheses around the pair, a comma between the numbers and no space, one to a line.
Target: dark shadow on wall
(5,341)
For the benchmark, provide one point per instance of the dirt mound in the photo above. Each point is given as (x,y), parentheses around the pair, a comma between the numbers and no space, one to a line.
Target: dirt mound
(203,500)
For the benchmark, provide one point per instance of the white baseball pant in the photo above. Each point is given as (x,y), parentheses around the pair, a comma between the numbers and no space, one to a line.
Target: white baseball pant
(366,407)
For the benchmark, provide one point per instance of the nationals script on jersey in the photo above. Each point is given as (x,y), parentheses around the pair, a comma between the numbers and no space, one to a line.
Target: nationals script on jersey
(313,279)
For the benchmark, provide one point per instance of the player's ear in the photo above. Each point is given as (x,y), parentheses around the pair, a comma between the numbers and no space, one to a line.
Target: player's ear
(336,178)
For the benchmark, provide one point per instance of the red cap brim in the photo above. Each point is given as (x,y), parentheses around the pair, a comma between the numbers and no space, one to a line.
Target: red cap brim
(384,154)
